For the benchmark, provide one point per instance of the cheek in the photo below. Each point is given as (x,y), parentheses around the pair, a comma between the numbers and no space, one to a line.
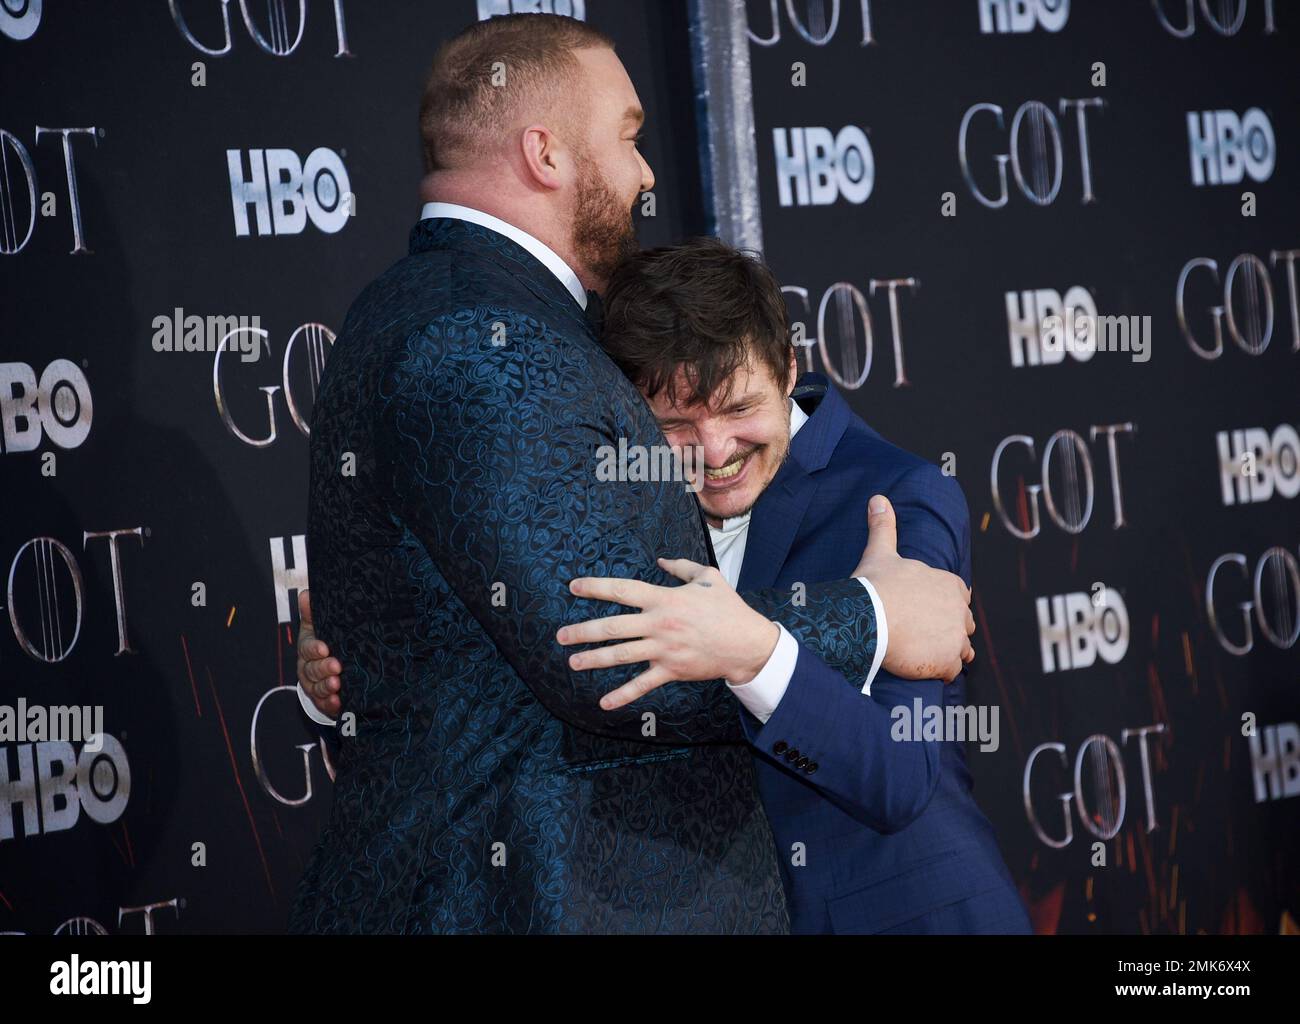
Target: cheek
(632,174)
(772,432)
(776,437)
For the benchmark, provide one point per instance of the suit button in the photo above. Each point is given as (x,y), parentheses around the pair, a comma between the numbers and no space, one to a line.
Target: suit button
(792,755)
(802,763)
(779,747)
(811,768)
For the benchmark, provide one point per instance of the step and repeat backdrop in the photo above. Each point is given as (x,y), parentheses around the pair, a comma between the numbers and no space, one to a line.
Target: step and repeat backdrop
(1049,246)
(1052,247)
(170,174)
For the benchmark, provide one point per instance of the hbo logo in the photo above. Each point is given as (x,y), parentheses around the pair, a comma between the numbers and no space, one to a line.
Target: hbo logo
(285,191)
(1073,629)
(1254,466)
(52,784)
(57,406)
(1023,15)
(1224,147)
(814,167)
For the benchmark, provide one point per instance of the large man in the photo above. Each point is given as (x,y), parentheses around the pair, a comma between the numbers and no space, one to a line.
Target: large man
(873,833)
(454,493)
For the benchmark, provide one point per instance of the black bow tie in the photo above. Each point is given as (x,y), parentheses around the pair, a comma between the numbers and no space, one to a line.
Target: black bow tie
(595,312)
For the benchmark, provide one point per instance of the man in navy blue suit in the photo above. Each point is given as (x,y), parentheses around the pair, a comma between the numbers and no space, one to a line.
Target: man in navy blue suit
(874,833)
(871,837)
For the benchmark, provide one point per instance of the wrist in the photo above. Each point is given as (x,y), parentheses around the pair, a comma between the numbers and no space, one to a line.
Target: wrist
(758,651)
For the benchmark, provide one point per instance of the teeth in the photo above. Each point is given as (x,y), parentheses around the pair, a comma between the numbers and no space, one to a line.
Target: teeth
(725,471)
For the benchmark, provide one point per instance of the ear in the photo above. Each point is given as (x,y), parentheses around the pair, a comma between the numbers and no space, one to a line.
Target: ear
(542,155)
(793,371)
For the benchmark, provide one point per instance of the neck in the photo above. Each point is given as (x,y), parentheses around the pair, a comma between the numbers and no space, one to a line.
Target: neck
(532,213)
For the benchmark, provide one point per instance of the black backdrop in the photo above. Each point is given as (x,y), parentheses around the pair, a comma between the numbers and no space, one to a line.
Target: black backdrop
(208,745)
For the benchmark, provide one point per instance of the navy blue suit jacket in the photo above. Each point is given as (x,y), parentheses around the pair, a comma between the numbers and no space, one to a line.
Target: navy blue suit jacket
(454,493)
(872,834)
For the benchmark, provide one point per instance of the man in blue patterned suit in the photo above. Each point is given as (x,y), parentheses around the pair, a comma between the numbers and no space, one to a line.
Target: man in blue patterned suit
(480,785)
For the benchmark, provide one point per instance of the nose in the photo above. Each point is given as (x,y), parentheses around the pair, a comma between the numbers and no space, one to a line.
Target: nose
(647,175)
(718,445)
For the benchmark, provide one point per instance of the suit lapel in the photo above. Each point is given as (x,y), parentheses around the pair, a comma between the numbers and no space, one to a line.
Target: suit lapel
(774,524)
(780,510)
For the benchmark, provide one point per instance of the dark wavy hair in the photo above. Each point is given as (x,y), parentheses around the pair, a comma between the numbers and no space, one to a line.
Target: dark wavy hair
(702,305)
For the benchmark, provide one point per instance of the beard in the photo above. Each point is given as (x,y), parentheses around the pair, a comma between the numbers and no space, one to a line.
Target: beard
(603,234)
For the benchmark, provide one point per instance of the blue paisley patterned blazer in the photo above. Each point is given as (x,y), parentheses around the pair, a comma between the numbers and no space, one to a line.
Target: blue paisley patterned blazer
(453,495)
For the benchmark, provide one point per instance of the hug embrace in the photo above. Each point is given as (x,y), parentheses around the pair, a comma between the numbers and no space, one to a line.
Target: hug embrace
(567,703)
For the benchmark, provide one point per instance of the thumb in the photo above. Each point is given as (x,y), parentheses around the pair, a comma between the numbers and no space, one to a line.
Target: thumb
(304,608)
(883,539)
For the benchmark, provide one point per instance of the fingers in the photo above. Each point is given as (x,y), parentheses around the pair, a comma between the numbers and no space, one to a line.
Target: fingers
(970,623)
(317,670)
(596,631)
(634,593)
(634,688)
(616,654)
(311,648)
(955,668)
(324,689)
(304,609)
(319,678)
(683,568)
(331,705)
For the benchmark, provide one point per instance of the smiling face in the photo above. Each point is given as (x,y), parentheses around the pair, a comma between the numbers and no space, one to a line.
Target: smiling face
(744,431)
(702,330)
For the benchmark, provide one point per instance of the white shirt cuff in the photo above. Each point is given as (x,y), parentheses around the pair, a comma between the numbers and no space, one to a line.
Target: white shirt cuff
(882,632)
(319,717)
(763,693)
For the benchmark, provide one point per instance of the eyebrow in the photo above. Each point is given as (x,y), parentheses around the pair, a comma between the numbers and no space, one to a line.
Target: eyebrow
(730,407)
(737,403)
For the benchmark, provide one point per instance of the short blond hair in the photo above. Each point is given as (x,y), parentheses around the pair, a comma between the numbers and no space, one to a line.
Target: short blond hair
(465,112)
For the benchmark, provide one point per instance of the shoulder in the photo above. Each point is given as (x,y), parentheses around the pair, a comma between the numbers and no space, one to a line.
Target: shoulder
(903,476)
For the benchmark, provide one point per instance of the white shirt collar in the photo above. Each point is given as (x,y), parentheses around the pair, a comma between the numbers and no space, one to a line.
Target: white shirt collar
(548,257)
(797,419)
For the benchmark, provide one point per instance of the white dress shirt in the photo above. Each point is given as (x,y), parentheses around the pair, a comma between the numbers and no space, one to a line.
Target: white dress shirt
(762,693)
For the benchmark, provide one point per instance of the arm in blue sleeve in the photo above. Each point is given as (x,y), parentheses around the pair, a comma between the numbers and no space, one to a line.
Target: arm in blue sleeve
(860,746)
